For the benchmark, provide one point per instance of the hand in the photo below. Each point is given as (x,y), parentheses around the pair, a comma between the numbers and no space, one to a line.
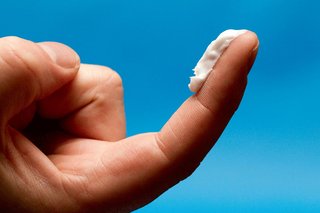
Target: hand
(63,145)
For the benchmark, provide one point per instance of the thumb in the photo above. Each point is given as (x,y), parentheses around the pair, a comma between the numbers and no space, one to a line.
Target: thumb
(31,71)
(192,131)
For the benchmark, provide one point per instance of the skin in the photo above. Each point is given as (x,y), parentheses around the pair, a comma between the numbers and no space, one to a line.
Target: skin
(62,130)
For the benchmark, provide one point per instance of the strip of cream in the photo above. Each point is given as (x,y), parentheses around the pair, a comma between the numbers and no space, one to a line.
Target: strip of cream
(210,57)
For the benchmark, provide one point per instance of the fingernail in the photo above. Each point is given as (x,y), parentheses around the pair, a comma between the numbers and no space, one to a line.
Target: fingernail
(61,54)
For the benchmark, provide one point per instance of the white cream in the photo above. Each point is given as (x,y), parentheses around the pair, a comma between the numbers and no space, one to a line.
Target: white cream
(210,57)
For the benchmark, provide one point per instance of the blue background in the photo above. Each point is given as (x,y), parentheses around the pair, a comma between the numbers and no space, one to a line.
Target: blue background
(268,157)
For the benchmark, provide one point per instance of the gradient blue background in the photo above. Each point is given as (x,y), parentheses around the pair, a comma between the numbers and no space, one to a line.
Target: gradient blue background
(268,157)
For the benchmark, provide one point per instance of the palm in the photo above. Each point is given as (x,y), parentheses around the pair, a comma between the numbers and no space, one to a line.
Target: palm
(91,170)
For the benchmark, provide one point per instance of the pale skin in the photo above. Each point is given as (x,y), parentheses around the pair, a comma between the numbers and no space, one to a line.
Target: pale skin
(63,144)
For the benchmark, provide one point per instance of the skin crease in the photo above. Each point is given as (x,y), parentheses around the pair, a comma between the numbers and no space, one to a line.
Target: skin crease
(63,145)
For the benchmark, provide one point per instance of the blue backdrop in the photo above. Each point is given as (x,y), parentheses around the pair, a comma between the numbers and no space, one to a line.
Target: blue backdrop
(268,158)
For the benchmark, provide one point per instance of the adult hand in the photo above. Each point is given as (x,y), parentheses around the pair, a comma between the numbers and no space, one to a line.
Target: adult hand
(62,130)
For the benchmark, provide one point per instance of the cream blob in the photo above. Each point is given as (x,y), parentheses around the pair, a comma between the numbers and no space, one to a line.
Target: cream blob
(210,57)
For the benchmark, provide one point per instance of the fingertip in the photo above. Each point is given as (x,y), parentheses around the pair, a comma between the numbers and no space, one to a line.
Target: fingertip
(251,40)
(61,54)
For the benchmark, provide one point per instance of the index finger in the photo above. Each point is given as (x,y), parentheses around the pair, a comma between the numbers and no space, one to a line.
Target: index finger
(198,123)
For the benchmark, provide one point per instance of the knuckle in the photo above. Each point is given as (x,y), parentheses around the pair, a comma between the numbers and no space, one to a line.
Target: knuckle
(10,46)
(21,58)
(14,48)
(14,40)
(161,146)
(106,79)
(227,97)
(111,76)
(178,168)
(115,78)
(13,45)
